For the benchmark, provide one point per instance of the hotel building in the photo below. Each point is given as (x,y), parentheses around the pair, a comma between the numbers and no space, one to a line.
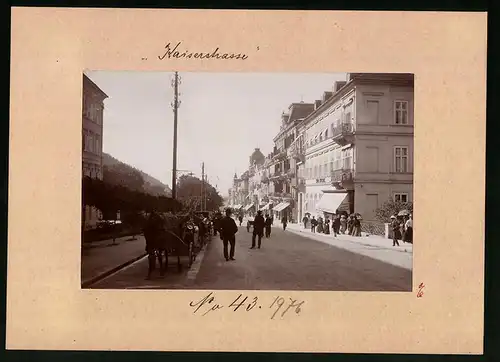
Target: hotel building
(357,145)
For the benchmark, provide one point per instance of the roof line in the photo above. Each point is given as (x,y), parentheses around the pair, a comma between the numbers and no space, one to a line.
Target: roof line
(96,86)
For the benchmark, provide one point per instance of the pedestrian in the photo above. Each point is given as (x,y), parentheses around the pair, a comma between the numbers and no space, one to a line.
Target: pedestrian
(248,225)
(314,222)
(336,225)
(258,229)
(268,224)
(395,230)
(272,219)
(240,218)
(343,224)
(409,229)
(327,226)
(401,229)
(350,225)
(284,221)
(357,226)
(305,219)
(217,219)
(227,233)
(319,225)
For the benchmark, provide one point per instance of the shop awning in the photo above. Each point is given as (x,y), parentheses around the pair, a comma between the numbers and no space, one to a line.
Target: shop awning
(281,206)
(276,208)
(248,207)
(266,207)
(330,202)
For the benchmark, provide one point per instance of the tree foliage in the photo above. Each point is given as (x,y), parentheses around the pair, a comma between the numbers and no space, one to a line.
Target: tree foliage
(189,193)
(110,198)
(391,207)
(123,175)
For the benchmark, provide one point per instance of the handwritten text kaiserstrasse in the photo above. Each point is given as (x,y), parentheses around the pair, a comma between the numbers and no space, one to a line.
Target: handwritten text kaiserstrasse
(178,52)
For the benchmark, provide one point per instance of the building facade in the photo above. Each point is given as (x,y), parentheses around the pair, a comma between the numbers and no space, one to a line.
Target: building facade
(282,166)
(358,146)
(245,188)
(92,134)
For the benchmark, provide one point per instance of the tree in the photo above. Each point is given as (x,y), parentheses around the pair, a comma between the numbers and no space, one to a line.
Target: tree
(189,193)
(110,198)
(123,175)
(391,207)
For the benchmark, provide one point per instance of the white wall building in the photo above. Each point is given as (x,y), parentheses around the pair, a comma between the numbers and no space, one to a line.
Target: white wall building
(359,146)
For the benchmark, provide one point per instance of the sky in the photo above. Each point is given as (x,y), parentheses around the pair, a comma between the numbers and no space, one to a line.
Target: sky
(222,118)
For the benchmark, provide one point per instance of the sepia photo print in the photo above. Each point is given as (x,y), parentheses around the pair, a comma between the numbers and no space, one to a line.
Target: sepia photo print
(247,181)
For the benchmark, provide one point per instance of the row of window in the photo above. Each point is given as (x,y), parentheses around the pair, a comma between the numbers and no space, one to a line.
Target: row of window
(91,110)
(400,118)
(312,199)
(324,134)
(322,166)
(91,142)
(325,170)
(91,170)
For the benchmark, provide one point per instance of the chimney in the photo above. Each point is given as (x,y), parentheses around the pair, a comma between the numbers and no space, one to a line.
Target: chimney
(317,103)
(326,96)
(338,85)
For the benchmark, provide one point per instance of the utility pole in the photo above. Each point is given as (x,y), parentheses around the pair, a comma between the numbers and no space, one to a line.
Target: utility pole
(175,106)
(202,186)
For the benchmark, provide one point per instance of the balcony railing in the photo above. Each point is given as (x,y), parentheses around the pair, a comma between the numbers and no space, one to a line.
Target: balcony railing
(343,133)
(297,151)
(342,176)
(279,155)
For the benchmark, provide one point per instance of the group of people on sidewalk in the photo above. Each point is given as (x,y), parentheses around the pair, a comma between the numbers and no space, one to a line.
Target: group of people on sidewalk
(402,229)
(340,224)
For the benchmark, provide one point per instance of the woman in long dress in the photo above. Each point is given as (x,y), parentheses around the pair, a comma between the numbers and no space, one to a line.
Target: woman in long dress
(343,224)
(327,226)
(409,229)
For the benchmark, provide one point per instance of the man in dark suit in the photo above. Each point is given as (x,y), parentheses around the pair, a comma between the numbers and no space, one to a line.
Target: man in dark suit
(228,229)
(258,228)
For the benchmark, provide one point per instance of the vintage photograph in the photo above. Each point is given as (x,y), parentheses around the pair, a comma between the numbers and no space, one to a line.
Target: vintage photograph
(247,181)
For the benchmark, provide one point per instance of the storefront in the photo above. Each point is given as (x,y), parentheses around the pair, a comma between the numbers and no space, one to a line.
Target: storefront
(283,208)
(333,203)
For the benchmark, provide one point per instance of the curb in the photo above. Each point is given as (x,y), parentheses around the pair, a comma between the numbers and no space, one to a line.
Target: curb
(195,268)
(355,242)
(90,281)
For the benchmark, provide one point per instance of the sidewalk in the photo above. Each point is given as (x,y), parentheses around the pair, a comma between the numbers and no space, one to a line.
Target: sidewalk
(371,240)
(109,242)
(103,257)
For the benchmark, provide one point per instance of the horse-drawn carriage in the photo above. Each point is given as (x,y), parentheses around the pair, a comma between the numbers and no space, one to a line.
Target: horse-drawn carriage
(172,235)
(205,224)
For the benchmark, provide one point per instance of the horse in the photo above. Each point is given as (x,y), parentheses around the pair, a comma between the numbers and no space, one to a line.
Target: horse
(166,235)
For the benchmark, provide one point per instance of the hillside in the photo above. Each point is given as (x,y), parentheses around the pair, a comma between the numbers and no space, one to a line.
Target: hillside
(151,185)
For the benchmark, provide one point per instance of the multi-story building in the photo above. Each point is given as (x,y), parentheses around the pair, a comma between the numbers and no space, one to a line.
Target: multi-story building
(283,165)
(297,152)
(244,186)
(92,131)
(359,145)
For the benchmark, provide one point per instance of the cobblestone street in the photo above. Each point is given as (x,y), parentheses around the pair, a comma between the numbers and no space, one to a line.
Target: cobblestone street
(286,261)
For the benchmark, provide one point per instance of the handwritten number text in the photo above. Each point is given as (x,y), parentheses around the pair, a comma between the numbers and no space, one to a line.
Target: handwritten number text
(246,303)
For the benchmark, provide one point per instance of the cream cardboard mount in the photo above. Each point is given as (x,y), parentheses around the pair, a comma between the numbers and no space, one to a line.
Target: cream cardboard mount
(47,309)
